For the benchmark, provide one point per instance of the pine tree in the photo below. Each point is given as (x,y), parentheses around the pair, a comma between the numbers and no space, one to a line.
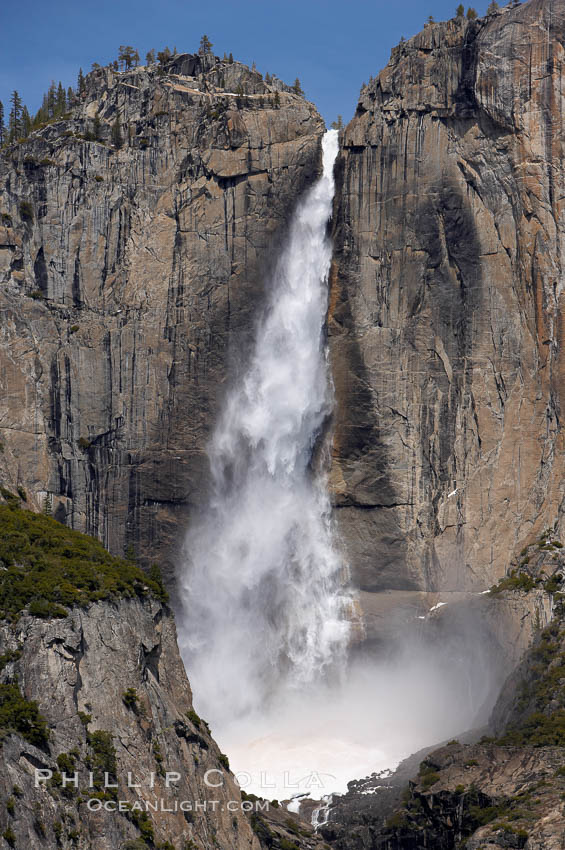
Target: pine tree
(277,99)
(43,113)
(70,97)
(297,88)
(230,58)
(126,56)
(15,121)
(136,58)
(471,14)
(51,100)
(117,139)
(61,101)
(460,11)
(81,85)
(205,45)
(431,19)
(163,56)
(26,122)
(2,127)
(338,125)
(493,7)
(150,57)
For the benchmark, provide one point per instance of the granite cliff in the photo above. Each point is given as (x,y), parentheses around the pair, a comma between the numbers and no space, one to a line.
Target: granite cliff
(130,279)
(446,309)
(100,746)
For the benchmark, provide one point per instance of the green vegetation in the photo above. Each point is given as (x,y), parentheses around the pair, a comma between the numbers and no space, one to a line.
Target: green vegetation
(21,715)
(205,45)
(47,566)
(285,844)
(430,778)
(224,761)
(538,730)
(542,696)
(145,825)
(474,810)
(196,720)
(9,656)
(263,832)
(156,577)
(131,701)
(9,836)
(554,583)
(398,820)
(127,57)
(103,758)
(66,761)
(516,580)
(428,775)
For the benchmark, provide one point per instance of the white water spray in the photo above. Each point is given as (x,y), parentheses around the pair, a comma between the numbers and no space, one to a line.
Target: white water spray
(265,609)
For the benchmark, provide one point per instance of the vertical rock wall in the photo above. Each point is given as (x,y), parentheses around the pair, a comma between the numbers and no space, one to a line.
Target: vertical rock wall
(128,275)
(446,315)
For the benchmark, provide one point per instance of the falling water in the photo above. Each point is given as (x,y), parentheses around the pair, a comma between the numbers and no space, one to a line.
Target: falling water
(266,610)
(263,589)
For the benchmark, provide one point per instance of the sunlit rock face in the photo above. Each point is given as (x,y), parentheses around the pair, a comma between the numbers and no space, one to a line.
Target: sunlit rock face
(446,308)
(131,278)
(79,670)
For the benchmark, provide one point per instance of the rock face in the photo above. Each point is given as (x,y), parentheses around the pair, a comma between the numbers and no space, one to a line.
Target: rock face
(446,309)
(85,663)
(130,276)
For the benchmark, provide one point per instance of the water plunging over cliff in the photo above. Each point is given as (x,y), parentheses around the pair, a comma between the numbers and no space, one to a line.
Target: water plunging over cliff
(265,606)
(266,611)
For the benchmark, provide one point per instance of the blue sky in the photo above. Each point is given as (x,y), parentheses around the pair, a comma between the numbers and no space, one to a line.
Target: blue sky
(333,47)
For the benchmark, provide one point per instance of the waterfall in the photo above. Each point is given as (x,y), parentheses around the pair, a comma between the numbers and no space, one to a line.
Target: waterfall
(264,604)
(266,612)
